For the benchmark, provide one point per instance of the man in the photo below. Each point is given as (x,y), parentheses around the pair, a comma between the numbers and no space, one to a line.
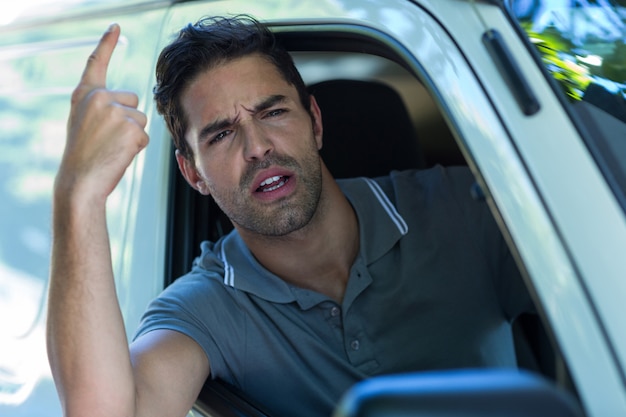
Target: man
(320,285)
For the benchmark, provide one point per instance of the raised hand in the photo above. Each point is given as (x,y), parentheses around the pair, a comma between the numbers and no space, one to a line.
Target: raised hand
(105,130)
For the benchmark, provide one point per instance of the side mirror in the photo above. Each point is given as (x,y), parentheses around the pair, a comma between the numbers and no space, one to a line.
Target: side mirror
(458,393)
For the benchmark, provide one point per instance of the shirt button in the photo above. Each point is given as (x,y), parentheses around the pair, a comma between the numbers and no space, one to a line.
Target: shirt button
(355,345)
(334,312)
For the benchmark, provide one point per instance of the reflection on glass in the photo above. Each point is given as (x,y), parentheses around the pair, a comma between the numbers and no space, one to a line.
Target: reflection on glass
(34,103)
(582,44)
(11,11)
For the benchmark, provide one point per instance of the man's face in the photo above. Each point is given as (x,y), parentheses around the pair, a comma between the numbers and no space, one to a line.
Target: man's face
(255,146)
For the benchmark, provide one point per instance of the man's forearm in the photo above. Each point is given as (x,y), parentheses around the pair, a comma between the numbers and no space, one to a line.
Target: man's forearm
(87,343)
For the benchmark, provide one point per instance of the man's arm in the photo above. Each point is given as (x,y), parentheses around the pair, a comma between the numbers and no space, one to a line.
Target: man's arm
(87,345)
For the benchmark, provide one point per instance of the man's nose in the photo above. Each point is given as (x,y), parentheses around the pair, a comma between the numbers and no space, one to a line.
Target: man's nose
(257,144)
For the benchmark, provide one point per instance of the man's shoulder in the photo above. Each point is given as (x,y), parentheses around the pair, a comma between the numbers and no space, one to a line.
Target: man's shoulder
(197,284)
(436,178)
(423,175)
(207,272)
(212,256)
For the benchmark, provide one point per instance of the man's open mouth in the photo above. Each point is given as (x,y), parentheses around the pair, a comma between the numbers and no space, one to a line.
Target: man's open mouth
(272,184)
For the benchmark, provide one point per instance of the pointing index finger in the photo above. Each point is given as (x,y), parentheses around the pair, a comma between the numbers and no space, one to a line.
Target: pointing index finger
(95,73)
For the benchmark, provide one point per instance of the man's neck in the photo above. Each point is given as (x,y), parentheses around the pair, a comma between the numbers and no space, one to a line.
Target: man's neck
(320,255)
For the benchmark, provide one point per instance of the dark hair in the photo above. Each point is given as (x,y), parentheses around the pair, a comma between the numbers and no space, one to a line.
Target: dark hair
(204,45)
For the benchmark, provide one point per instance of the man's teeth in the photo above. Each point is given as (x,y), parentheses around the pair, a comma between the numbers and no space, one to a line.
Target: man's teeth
(280,181)
(269,181)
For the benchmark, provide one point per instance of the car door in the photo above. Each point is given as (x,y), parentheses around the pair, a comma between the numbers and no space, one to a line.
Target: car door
(513,131)
(41,61)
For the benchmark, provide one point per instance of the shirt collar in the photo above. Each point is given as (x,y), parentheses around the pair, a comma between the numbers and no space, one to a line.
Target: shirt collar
(380,225)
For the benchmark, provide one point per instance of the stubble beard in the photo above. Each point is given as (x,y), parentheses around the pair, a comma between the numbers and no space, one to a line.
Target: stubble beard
(284,216)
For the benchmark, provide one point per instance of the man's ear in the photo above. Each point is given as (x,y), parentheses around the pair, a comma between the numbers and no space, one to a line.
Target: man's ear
(316,116)
(189,171)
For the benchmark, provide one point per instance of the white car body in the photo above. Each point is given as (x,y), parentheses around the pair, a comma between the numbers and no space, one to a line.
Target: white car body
(564,221)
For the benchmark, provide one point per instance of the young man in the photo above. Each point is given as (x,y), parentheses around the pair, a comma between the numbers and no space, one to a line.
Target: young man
(320,285)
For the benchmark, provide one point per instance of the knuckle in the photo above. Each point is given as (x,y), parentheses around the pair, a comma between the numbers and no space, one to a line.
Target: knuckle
(143,120)
(116,111)
(130,98)
(144,140)
(77,95)
(98,100)
(136,140)
(99,96)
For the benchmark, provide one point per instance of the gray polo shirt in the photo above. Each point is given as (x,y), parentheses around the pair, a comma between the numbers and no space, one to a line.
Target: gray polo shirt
(433,287)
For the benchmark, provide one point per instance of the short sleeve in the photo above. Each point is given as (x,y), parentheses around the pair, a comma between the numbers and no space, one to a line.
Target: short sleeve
(198,305)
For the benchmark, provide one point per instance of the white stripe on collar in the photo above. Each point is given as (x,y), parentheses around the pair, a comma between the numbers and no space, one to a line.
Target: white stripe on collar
(388,206)
(229,272)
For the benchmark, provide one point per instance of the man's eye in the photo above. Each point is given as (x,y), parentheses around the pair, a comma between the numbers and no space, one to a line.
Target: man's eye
(219,137)
(276,112)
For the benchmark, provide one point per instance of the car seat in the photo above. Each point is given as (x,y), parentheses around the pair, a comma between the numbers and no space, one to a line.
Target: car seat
(367,129)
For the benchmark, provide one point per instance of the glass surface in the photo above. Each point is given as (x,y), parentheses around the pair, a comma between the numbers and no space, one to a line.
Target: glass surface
(582,44)
(39,68)
(34,91)
(28,10)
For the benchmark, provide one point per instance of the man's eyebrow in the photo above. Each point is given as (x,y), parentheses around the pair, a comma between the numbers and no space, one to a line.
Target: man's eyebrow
(221,124)
(213,127)
(269,102)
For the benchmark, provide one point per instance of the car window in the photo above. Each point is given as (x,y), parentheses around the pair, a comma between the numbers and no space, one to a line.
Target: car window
(39,68)
(34,92)
(23,11)
(582,45)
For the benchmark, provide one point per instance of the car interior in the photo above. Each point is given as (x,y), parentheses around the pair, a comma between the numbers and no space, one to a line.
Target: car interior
(378,116)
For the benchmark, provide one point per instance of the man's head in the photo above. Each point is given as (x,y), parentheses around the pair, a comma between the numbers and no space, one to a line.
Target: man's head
(247,132)
(204,45)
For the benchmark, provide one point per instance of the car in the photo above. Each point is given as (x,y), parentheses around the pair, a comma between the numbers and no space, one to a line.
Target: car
(529,94)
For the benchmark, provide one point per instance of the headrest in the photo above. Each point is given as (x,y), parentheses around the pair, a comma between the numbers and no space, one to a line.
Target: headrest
(367,129)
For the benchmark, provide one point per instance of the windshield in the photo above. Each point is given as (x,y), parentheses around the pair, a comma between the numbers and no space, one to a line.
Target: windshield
(582,44)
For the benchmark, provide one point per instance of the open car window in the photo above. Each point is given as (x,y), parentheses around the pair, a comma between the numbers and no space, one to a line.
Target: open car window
(196,218)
